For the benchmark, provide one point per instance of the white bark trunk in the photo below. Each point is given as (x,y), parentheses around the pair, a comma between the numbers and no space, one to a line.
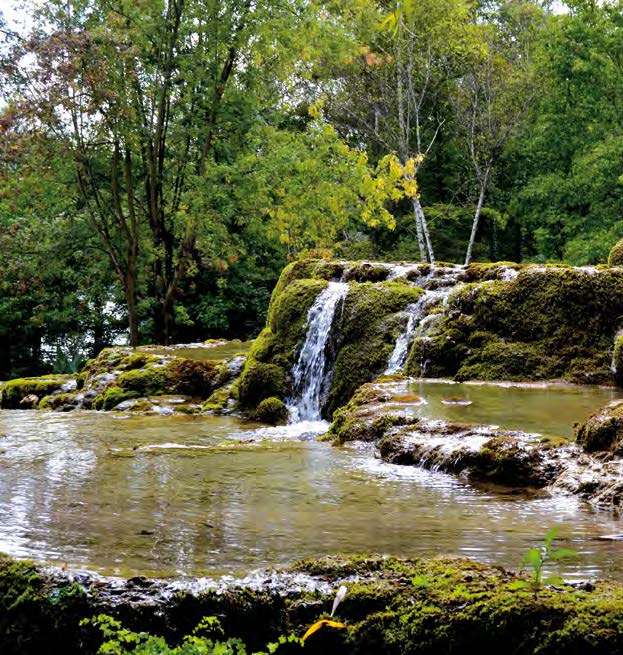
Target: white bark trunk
(419,211)
(420,231)
(472,238)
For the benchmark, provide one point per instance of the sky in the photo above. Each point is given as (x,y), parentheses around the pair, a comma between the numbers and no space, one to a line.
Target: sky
(14,16)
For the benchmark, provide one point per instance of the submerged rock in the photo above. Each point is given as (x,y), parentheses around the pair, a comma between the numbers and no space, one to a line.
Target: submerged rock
(392,606)
(386,413)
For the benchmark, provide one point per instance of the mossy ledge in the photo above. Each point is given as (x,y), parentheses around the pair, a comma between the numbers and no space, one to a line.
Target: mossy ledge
(547,322)
(364,333)
(121,374)
(393,606)
(384,413)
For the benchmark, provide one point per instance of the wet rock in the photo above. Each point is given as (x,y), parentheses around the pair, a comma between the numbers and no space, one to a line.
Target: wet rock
(385,413)
(603,430)
(272,411)
(29,402)
(482,453)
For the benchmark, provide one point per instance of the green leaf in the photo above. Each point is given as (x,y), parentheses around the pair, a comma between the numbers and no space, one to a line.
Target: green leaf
(533,558)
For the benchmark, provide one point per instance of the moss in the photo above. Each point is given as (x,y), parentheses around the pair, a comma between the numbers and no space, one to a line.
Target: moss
(145,381)
(57,400)
(192,378)
(272,411)
(366,335)
(319,269)
(112,396)
(14,390)
(393,606)
(603,430)
(615,258)
(135,360)
(366,272)
(559,321)
(107,360)
(218,400)
(260,381)
(36,617)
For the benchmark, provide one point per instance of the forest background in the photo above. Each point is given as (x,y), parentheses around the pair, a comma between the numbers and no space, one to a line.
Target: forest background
(162,160)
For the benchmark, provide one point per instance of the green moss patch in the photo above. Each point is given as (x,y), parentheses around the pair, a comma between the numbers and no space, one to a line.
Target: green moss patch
(366,334)
(272,411)
(547,323)
(14,391)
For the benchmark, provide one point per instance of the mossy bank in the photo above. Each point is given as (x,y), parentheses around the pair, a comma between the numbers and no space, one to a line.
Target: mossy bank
(392,606)
(499,321)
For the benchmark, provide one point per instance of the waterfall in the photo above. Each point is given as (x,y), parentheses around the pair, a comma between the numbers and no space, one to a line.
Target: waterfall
(443,280)
(401,349)
(309,372)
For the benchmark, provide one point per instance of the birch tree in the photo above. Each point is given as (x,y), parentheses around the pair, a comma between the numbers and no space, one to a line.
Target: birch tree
(492,98)
(390,96)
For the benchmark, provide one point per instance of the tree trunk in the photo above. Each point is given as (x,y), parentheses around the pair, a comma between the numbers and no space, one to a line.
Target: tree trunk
(418,227)
(130,299)
(472,238)
(426,247)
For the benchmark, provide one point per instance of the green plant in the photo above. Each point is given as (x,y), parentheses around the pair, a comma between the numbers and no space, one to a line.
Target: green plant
(537,558)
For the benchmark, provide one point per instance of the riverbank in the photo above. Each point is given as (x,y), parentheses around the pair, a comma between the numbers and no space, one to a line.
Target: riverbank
(393,606)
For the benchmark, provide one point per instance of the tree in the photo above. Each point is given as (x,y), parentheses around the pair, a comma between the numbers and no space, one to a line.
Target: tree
(392,95)
(492,98)
(142,93)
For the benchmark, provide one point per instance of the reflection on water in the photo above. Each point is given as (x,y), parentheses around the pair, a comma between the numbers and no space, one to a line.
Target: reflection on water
(211,495)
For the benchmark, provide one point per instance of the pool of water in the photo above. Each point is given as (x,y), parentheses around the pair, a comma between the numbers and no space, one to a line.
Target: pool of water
(202,352)
(550,409)
(183,495)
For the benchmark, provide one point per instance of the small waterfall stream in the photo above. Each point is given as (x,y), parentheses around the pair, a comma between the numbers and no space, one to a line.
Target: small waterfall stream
(309,372)
(437,285)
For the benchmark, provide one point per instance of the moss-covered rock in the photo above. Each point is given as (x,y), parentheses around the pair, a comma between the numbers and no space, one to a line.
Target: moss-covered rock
(14,391)
(373,410)
(272,411)
(112,396)
(58,400)
(270,360)
(545,323)
(603,430)
(193,378)
(366,334)
(392,606)
(615,258)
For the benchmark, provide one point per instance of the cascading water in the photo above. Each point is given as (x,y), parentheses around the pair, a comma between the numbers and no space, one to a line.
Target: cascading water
(309,372)
(443,281)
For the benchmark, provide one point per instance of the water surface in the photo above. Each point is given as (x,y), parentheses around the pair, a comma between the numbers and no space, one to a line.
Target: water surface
(185,495)
(551,409)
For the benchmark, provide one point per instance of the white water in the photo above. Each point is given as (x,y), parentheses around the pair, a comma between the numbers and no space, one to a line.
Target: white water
(309,372)
(401,349)
(447,279)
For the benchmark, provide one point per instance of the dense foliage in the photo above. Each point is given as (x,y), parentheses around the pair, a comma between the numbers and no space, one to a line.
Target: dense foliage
(162,160)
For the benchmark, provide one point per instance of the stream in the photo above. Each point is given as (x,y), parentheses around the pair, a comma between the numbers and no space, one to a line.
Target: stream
(207,495)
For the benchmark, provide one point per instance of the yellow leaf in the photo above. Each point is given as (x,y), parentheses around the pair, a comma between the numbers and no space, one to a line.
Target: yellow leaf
(316,626)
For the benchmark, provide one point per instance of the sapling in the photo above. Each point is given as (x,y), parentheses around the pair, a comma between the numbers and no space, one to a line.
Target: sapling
(536,560)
